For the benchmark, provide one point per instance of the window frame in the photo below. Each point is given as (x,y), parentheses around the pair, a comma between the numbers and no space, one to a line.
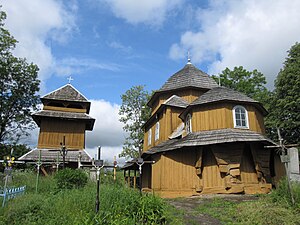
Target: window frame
(235,119)
(157,127)
(150,136)
(188,123)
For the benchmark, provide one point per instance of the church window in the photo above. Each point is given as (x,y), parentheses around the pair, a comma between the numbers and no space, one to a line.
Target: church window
(188,124)
(149,136)
(157,131)
(240,117)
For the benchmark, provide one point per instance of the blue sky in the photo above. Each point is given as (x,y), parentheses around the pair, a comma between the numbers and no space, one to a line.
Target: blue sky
(108,46)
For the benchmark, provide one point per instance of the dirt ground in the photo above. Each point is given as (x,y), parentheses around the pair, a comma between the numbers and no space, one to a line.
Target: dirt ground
(188,207)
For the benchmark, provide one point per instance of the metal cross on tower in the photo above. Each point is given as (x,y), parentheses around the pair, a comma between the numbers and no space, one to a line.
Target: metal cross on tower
(70,79)
(189,57)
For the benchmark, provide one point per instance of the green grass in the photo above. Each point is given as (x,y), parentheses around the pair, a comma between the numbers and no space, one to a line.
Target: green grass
(118,204)
(122,205)
(225,211)
(274,208)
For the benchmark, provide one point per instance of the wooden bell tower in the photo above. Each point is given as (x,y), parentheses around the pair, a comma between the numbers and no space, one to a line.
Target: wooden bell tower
(65,113)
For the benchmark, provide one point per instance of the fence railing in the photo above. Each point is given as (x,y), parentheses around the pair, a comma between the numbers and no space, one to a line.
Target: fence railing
(9,193)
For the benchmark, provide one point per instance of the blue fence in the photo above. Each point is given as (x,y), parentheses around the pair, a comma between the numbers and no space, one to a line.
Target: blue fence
(9,193)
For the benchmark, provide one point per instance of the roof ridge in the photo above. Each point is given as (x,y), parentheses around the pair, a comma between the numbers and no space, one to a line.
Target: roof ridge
(63,87)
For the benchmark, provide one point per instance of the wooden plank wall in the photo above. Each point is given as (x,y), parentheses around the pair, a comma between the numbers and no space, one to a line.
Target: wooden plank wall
(188,95)
(168,122)
(52,132)
(175,171)
(211,179)
(64,109)
(220,116)
(279,170)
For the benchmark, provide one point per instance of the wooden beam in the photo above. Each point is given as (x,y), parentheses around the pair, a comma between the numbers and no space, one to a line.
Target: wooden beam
(44,171)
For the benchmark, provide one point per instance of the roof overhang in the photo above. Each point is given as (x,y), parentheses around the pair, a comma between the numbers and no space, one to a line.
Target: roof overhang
(89,121)
(158,93)
(212,137)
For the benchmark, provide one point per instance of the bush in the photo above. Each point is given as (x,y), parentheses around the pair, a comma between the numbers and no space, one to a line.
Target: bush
(70,178)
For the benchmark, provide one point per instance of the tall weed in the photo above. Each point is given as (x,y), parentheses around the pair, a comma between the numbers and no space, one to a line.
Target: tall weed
(118,205)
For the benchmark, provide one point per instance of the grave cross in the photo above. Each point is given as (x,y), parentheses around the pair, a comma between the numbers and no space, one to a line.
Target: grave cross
(98,165)
(63,150)
(38,163)
(285,159)
(140,162)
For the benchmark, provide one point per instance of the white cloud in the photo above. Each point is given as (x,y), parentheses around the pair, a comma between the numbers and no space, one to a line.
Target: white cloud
(72,65)
(120,46)
(255,34)
(151,12)
(107,154)
(108,130)
(35,25)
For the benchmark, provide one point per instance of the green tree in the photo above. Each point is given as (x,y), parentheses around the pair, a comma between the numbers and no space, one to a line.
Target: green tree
(134,113)
(251,83)
(285,113)
(18,151)
(18,87)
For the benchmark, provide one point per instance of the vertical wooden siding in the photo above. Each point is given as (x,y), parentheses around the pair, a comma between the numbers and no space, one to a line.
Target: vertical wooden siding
(248,172)
(175,171)
(220,116)
(168,122)
(211,176)
(64,109)
(188,95)
(52,132)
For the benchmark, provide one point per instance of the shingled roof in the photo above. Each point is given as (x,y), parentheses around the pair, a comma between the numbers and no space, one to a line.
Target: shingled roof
(176,101)
(173,101)
(66,93)
(221,93)
(51,155)
(64,115)
(189,76)
(208,138)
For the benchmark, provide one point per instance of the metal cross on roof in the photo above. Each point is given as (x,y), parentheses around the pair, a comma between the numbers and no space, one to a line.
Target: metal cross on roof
(189,57)
(70,79)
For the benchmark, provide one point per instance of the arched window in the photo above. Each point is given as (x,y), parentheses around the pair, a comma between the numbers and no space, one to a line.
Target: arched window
(188,123)
(149,136)
(157,131)
(240,117)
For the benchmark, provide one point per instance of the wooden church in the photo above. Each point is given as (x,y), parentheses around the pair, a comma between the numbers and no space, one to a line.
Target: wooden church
(64,117)
(206,139)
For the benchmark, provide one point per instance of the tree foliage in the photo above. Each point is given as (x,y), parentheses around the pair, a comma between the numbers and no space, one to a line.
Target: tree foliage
(18,151)
(251,83)
(134,113)
(285,113)
(18,87)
